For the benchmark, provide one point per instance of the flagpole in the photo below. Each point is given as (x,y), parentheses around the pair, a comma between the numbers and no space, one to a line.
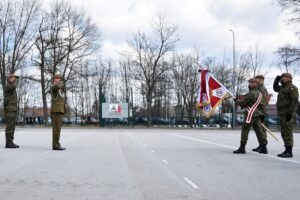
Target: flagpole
(233,82)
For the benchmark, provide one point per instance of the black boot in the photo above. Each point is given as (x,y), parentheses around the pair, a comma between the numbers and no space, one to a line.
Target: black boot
(11,146)
(257,149)
(241,149)
(263,149)
(287,153)
(59,148)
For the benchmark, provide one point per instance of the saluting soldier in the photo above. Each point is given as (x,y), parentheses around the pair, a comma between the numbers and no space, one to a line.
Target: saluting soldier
(10,109)
(252,117)
(264,103)
(287,101)
(57,110)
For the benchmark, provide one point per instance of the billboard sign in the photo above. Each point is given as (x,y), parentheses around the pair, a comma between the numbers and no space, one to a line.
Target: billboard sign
(115,110)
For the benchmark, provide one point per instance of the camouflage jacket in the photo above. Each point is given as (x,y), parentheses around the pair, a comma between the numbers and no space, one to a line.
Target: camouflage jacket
(249,100)
(58,98)
(287,99)
(264,100)
(10,97)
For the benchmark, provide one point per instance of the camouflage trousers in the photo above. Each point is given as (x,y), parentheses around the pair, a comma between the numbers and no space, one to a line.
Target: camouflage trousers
(10,121)
(264,135)
(286,129)
(260,133)
(56,127)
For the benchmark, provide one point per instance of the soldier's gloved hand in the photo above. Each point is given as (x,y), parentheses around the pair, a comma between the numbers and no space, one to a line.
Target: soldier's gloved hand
(17,77)
(262,118)
(288,117)
(278,78)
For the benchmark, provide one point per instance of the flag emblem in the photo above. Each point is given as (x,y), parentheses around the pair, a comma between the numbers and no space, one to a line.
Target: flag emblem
(211,93)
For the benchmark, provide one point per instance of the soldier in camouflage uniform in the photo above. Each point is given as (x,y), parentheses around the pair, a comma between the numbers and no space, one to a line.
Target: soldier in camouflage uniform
(264,102)
(57,110)
(248,101)
(287,101)
(10,109)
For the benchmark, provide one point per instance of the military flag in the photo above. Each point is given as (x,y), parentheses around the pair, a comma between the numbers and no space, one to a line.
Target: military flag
(211,93)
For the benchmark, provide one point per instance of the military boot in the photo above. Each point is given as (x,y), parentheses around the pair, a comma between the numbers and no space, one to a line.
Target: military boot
(287,153)
(241,149)
(11,146)
(263,149)
(257,149)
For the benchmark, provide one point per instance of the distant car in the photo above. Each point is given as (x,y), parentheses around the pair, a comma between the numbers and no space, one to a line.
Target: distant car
(158,121)
(272,121)
(66,121)
(140,121)
(75,120)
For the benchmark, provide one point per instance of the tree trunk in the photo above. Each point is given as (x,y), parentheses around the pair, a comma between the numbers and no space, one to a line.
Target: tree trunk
(44,96)
(191,117)
(149,111)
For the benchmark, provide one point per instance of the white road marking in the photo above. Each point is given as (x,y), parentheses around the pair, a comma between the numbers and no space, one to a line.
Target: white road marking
(206,142)
(231,147)
(282,159)
(190,183)
(164,161)
(152,150)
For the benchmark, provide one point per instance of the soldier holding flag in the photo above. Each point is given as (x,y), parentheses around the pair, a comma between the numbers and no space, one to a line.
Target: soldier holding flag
(252,101)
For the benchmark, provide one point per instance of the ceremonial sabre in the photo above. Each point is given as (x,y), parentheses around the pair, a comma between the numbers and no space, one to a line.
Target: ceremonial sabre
(268,130)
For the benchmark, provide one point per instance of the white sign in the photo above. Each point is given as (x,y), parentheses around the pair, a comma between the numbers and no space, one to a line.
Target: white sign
(115,110)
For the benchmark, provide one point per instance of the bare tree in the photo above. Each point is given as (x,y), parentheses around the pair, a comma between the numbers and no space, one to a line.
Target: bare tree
(23,95)
(287,58)
(126,77)
(187,84)
(102,74)
(223,73)
(292,7)
(255,59)
(148,57)
(65,40)
(73,38)
(17,33)
(42,45)
(242,74)
(209,62)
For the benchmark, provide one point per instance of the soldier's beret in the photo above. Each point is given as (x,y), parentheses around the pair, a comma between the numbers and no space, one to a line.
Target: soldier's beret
(287,75)
(260,77)
(58,76)
(253,80)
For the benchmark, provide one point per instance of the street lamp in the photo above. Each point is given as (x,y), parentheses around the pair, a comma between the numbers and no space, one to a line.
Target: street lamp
(234,79)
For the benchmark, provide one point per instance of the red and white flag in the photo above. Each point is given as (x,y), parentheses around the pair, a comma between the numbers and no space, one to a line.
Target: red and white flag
(211,93)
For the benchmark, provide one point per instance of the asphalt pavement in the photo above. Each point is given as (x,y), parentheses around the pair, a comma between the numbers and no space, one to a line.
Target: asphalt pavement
(138,164)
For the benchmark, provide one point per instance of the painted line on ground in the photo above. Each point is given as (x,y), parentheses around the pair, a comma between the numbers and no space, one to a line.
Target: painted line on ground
(152,150)
(164,161)
(282,159)
(231,147)
(190,183)
(206,142)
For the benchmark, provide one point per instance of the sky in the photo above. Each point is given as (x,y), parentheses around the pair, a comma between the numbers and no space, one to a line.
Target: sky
(205,23)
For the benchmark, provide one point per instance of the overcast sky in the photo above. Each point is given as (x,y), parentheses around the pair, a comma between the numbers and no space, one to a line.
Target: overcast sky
(202,22)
